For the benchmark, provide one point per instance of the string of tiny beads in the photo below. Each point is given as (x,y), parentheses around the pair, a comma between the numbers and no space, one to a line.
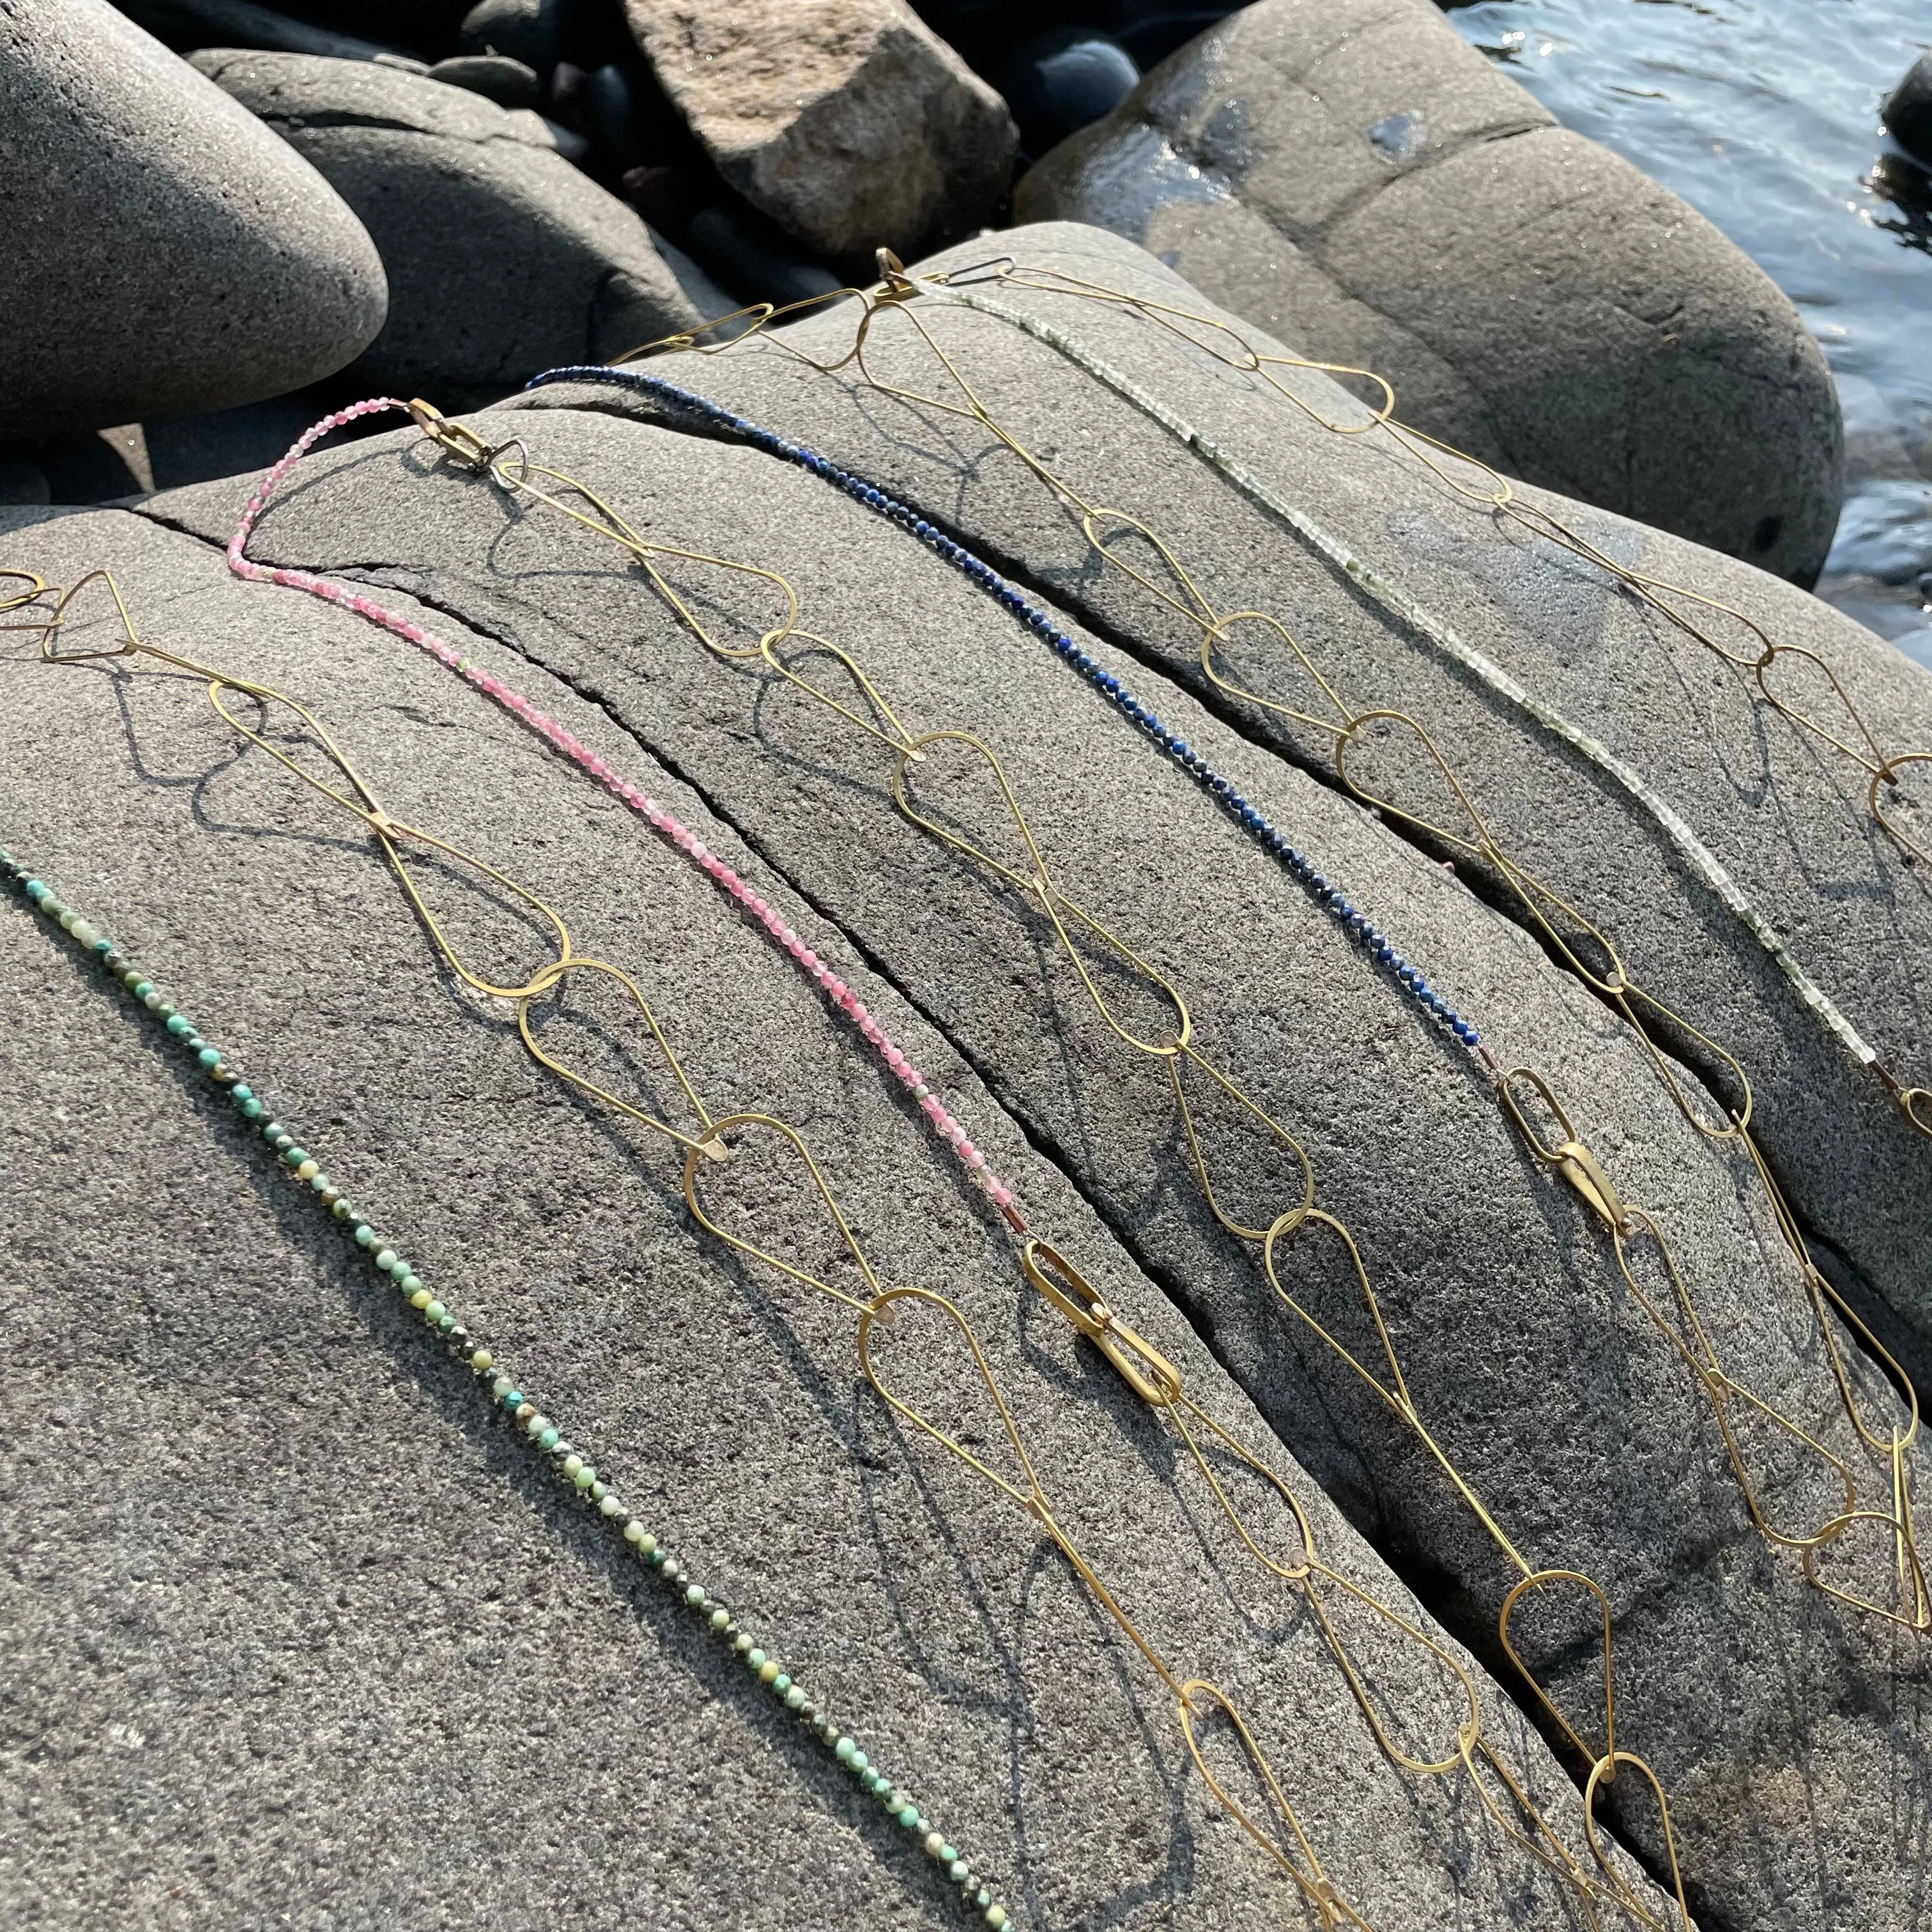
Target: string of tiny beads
(563,1459)
(1326,893)
(769,918)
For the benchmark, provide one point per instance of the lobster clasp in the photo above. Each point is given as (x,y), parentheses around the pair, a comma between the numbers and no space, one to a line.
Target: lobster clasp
(1138,1363)
(1568,1156)
(458,439)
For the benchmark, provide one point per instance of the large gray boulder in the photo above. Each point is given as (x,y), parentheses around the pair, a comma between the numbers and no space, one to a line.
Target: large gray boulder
(290,1615)
(502,257)
(1356,178)
(1576,1421)
(849,122)
(163,252)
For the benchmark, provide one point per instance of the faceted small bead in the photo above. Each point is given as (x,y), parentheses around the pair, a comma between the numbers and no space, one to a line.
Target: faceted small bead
(307,1169)
(935,1844)
(610,1505)
(386,1260)
(795,1697)
(365,1235)
(757,1660)
(768,1671)
(598,1491)
(209,1057)
(434,1311)
(482,1360)
(996,1916)
(409,1281)
(960,1871)
(781,1683)
(720,1619)
(420,1299)
(584,1476)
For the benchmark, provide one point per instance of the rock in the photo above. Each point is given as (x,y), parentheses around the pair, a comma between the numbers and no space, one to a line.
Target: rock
(616,131)
(529,30)
(711,299)
(1062,81)
(186,25)
(22,481)
(849,122)
(1569,1412)
(1907,111)
(1150,30)
(501,256)
(496,76)
(235,1484)
(167,254)
(1354,177)
(753,258)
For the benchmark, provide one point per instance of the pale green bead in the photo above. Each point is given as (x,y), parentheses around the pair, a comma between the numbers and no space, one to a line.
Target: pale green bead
(634,1531)
(845,1750)
(411,1282)
(585,1476)
(434,1312)
(996,1916)
(610,1505)
(571,1464)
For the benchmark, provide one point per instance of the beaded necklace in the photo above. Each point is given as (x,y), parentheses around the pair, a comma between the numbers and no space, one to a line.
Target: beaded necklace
(1148,1372)
(563,1461)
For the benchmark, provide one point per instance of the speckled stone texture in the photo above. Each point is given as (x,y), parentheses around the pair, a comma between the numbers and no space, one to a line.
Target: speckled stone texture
(163,252)
(290,1620)
(502,257)
(1785,1726)
(850,122)
(1355,178)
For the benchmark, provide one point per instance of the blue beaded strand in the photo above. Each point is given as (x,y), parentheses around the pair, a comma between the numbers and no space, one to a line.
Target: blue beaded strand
(1357,924)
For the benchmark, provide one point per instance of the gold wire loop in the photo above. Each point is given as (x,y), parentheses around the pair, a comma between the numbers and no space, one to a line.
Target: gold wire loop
(1139,1364)
(37,588)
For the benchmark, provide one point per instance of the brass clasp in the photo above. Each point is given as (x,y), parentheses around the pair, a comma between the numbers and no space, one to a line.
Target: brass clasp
(458,439)
(1140,1364)
(1569,1156)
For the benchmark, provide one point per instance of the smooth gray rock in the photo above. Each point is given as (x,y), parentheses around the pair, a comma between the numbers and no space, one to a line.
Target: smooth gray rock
(162,254)
(508,82)
(290,1616)
(1574,1420)
(1354,177)
(1907,110)
(502,257)
(849,122)
(530,31)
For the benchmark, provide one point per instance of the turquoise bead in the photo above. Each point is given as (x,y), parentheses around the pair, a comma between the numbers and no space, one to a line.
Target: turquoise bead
(548,1439)
(909,1817)
(845,1750)
(513,1399)
(295,1155)
(270,1129)
(365,1235)
(36,891)
(209,1057)
(251,1110)
(179,1024)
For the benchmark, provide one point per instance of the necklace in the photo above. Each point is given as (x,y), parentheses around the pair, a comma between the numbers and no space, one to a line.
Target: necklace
(1197,1700)
(566,1463)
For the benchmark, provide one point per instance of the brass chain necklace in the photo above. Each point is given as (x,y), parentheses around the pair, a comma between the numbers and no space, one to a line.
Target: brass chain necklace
(311,753)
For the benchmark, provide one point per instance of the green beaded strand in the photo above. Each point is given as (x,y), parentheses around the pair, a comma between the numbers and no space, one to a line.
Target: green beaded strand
(580,1476)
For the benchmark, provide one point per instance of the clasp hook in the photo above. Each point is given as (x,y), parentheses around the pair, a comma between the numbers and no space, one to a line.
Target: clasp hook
(1569,1156)
(1140,1364)
(458,439)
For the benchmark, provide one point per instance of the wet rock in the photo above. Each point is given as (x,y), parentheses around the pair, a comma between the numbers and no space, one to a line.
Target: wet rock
(503,258)
(1520,1338)
(508,82)
(1907,112)
(1361,182)
(186,25)
(166,253)
(723,1404)
(709,298)
(529,30)
(848,122)
(1063,81)
(616,131)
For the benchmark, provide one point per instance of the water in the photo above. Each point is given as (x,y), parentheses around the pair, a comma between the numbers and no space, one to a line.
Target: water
(1763,116)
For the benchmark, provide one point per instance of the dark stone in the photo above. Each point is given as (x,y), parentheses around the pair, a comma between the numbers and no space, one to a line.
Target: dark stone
(1150,30)
(508,82)
(1907,112)
(1354,177)
(754,259)
(611,119)
(22,481)
(502,258)
(1064,80)
(530,31)
(184,25)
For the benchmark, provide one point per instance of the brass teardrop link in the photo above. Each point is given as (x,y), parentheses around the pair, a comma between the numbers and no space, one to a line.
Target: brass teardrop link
(709,1141)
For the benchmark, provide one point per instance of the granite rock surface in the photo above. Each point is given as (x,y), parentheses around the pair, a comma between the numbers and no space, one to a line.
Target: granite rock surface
(849,122)
(334,1643)
(502,257)
(165,253)
(1783,1724)
(1357,180)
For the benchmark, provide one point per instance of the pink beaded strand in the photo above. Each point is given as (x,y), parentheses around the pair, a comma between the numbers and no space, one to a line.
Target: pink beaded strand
(687,842)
